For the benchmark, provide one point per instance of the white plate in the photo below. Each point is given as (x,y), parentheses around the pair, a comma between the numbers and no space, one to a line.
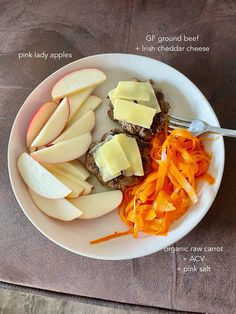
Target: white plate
(185,99)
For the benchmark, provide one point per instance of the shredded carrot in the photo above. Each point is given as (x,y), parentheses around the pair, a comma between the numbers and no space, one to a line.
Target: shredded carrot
(207,177)
(111,236)
(167,192)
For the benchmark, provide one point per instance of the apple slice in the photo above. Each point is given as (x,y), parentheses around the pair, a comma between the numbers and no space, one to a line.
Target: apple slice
(60,209)
(74,168)
(32,149)
(64,176)
(86,186)
(38,120)
(64,151)
(39,179)
(81,126)
(99,204)
(83,186)
(92,103)
(54,125)
(76,188)
(76,100)
(77,81)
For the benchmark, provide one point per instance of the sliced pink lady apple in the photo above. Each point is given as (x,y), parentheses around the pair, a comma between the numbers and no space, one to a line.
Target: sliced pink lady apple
(39,179)
(64,151)
(38,121)
(76,188)
(81,126)
(74,168)
(77,100)
(99,204)
(54,126)
(60,209)
(77,81)
(91,103)
(74,182)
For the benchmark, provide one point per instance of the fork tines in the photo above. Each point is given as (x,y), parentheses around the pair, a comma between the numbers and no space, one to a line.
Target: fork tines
(176,122)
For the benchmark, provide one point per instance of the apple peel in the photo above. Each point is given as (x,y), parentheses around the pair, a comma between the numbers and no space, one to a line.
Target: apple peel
(77,81)
(81,126)
(38,120)
(54,126)
(64,151)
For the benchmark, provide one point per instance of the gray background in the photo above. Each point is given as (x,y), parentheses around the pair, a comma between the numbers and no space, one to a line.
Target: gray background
(85,28)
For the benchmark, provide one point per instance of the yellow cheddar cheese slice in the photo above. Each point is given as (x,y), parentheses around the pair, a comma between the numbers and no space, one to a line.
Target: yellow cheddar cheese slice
(131,149)
(110,94)
(132,90)
(128,172)
(114,157)
(133,113)
(105,173)
(152,102)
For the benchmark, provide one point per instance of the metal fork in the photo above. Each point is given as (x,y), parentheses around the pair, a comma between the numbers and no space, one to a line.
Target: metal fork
(197,127)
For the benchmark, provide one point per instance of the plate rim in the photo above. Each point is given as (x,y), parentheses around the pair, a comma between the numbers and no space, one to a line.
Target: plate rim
(100,256)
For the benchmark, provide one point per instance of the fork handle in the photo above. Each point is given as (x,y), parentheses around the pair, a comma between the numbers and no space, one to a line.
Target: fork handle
(222,131)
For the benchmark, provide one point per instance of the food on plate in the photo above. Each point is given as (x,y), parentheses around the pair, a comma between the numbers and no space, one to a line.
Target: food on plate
(76,100)
(74,168)
(77,81)
(76,189)
(39,119)
(133,113)
(132,90)
(91,103)
(80,126)
(74,182)
(99,204)
(58,134)
(106,173)
(54,125)
(38,179)
(167,192)
(60,209)
(33,149)
(64,151)
(152,173)
(130,112)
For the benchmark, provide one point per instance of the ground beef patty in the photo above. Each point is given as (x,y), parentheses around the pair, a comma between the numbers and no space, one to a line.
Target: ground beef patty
(158,120)
(121,181)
